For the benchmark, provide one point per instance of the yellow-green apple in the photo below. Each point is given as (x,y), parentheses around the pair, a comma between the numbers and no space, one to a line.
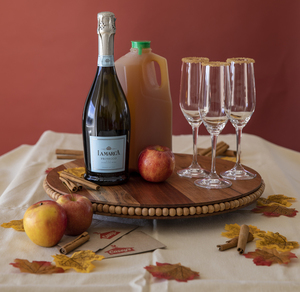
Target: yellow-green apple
(79,212)
(156,163)
(45,223)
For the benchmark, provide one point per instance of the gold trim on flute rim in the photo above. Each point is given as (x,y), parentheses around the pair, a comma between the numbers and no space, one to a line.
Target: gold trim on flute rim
(241,60)
(215,64)
(194,59)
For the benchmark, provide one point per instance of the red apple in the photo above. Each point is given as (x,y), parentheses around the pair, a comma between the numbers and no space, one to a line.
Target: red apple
(79,212)
(45,223)
(156,163)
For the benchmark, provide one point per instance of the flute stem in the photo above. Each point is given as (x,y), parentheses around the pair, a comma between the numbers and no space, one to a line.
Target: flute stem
(214,139)
(238,145)
(195,130)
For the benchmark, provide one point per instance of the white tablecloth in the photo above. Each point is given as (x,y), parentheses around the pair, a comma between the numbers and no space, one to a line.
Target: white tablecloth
(191,242)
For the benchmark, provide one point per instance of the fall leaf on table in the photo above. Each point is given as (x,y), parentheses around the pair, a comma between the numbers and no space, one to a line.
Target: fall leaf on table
(15,224)
(172,271)
(276,199)
(48,170)
(274,240)
(228,158)
(80,261)
(275,211)
(36,267)
(233,230)
(267,257)
(78,171)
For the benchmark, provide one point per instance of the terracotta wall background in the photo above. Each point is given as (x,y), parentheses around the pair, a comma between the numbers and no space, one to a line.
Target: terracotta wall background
(48,56)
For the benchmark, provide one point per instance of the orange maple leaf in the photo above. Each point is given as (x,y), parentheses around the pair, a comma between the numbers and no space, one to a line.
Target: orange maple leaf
(267,257)
(172,271)
(36,267)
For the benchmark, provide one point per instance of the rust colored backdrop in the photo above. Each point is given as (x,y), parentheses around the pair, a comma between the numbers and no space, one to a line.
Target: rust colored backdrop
(48,58)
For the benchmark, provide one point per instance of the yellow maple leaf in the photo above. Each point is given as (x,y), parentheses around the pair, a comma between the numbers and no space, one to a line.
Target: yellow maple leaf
(233,230)
(78,171)
(275,200)
(274,240)
(281,199)
(15,224)
(233,159)
(80,261)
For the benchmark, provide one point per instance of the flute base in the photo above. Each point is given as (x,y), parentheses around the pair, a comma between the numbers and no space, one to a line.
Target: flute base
(237,174)
(213,183)
(192,172)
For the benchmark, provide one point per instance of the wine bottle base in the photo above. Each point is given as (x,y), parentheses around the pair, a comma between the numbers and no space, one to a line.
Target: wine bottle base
(107,180)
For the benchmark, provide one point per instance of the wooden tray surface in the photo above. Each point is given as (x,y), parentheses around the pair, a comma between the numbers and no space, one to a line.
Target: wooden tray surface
(171,199)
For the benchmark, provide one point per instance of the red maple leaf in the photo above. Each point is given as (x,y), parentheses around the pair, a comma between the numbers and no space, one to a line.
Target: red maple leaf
(267,257)
(275,211)
(48,169)
(172,271)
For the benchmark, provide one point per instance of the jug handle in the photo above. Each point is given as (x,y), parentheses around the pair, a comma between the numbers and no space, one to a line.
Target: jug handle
(162,62)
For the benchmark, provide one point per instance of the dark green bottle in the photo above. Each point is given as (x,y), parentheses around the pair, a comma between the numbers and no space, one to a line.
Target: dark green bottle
(106,117)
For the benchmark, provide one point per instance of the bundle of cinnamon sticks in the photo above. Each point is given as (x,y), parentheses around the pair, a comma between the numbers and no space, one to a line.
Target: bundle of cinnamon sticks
(73,181)
(221,150)
(240,241)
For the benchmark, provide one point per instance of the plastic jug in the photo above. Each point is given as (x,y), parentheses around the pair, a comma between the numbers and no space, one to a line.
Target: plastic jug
(150,103)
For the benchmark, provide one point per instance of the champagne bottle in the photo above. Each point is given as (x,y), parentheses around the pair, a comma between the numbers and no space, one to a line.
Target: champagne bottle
(106,117)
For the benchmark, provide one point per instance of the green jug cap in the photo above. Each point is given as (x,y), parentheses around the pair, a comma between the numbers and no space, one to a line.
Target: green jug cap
(140,45)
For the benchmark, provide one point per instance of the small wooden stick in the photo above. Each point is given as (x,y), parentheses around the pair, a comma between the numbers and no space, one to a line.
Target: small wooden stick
(70,185)
(81,239)
(230,153)
(69,151)
(229,244)
(233,242)
(79,180)
(243,237)
(69,156)
(220,149)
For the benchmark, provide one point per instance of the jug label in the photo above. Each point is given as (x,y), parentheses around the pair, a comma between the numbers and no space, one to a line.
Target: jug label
(108,154)
(106,61)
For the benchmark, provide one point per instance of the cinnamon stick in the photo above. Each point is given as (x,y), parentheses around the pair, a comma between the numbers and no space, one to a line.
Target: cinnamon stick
(69,152)
(79,180)
(243,237)
(81,239)
(233,242)
(230,153)
(69,156)
(220,149)
(69,184)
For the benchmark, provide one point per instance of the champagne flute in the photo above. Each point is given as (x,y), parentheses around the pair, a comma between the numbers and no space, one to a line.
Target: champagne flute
(188,101)
(242,105)
(213,102)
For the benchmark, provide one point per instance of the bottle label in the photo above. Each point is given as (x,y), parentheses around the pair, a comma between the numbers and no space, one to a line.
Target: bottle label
(106,61)
(108,154)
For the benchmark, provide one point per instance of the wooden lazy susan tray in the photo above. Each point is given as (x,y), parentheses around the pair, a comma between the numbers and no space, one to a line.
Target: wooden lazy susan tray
(174,198)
